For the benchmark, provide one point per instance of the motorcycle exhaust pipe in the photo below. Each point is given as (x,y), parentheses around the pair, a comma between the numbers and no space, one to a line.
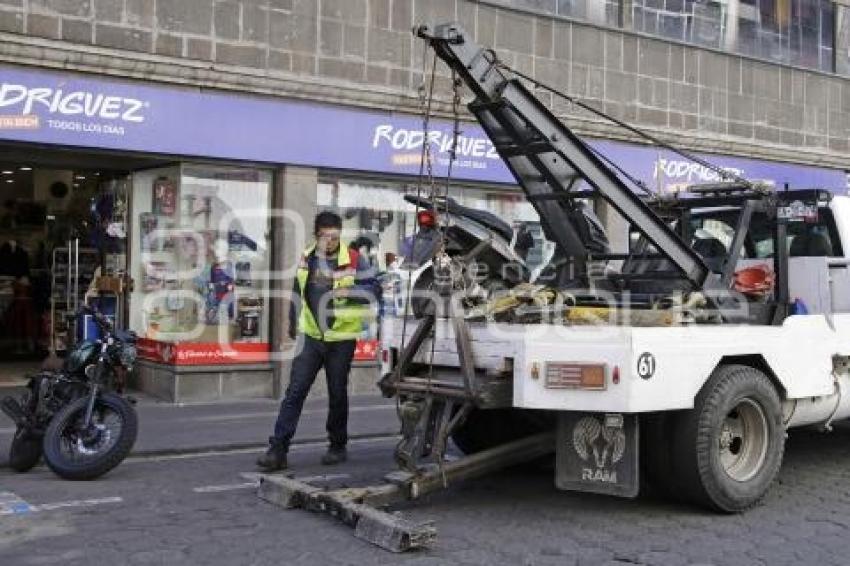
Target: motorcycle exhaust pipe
(14,411)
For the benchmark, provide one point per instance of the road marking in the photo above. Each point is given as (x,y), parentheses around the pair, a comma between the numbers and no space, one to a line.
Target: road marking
(12,504)
(76,503)
(255,477)
(265,415)
(293,448)
(225,487)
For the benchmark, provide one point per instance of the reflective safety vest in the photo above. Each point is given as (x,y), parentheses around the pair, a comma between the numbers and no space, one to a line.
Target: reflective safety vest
(348,318)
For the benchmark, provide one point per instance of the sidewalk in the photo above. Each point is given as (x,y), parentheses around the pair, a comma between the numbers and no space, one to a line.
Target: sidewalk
(165,428)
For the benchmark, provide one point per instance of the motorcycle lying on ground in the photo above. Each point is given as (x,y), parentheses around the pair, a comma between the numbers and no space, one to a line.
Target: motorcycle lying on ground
(75,416)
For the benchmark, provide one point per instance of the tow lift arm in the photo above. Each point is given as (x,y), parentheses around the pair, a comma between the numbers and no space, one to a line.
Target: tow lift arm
(548,159)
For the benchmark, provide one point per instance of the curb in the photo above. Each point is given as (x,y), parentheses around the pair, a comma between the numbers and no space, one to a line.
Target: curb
(233,447)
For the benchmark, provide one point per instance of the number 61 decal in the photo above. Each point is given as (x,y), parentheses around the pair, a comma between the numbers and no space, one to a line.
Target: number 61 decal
(646,365)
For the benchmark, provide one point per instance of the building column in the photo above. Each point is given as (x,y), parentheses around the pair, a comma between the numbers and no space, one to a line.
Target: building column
(615,226)
(294,206)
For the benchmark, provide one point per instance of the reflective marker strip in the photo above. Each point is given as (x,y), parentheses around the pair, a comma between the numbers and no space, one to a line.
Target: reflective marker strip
(11,504)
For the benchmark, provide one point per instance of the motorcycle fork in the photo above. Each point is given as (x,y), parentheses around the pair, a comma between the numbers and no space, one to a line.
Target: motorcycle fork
(90,406)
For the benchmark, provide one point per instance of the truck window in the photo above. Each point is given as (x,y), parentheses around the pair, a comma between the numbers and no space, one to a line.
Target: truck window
(810,239)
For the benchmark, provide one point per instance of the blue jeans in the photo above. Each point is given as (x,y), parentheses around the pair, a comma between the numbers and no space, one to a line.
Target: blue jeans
(336,358)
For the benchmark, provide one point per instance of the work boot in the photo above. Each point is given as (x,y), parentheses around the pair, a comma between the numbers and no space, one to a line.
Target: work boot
(334,455)
(274,459)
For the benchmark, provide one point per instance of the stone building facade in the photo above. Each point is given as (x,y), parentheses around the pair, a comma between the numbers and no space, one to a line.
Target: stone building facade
(361,52)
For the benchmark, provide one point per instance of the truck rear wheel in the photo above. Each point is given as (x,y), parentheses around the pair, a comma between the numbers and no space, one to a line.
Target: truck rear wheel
(728,449)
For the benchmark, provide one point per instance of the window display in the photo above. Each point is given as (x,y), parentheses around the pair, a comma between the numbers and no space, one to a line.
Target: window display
(203,252)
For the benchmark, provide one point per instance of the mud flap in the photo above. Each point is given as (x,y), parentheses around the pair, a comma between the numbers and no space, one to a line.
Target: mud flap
(598,453)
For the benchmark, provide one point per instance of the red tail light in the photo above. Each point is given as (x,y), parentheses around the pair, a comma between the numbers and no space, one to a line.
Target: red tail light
(615,375)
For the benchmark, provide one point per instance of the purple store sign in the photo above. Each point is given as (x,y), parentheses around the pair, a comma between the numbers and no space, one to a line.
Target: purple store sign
(78,110)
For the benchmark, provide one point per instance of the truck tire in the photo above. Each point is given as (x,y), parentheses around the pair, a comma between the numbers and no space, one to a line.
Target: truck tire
(728,449)
(487,428)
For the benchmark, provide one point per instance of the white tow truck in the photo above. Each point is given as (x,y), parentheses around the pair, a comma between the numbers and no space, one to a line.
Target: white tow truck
(679,363)
(685,358)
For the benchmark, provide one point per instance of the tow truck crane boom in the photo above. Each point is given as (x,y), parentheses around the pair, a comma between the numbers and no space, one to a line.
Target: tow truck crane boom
(548,160)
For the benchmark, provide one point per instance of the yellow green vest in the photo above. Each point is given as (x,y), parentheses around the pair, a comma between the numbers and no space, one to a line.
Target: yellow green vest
(348,318)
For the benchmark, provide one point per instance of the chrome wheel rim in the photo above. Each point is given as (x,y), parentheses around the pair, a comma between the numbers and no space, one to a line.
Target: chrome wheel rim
(78,445)
(743,440)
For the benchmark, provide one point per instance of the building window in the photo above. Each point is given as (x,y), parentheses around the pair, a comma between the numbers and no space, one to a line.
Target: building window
(596,11)
(605,12)
(842,42)
(795,32)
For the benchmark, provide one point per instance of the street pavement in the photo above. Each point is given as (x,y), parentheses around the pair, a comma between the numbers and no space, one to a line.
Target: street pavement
(201,508)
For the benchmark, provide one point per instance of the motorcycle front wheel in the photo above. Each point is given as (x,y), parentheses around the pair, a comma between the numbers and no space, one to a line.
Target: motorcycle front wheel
(25,451)
(76,452)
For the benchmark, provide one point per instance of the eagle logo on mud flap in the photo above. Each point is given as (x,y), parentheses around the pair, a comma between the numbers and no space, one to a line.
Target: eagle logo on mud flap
(599,445)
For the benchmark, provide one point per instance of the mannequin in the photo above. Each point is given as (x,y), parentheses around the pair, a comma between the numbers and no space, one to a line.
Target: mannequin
(221,283)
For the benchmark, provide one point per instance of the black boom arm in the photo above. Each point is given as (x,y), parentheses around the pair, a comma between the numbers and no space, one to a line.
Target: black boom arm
(548,160)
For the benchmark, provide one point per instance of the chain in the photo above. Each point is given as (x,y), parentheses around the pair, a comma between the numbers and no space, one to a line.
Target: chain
(426,96)
(456,131)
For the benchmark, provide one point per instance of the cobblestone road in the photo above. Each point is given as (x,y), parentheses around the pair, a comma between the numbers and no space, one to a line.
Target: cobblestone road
(200,510)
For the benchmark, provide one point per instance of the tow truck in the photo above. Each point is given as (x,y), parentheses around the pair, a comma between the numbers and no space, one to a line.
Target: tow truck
(678,363)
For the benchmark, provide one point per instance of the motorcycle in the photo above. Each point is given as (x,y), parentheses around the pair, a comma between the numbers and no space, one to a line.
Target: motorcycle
(463,235)
(76,416)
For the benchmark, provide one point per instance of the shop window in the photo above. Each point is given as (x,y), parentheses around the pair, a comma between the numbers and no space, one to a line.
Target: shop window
(203,252)
(377,219)
(378,215)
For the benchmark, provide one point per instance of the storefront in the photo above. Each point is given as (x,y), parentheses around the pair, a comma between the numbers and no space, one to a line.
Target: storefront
(187,230)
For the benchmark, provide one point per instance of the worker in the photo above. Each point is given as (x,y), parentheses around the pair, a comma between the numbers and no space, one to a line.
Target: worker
(334,286)
(419,247)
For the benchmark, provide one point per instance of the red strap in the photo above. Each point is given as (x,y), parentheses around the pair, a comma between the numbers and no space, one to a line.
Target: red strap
(353,257)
